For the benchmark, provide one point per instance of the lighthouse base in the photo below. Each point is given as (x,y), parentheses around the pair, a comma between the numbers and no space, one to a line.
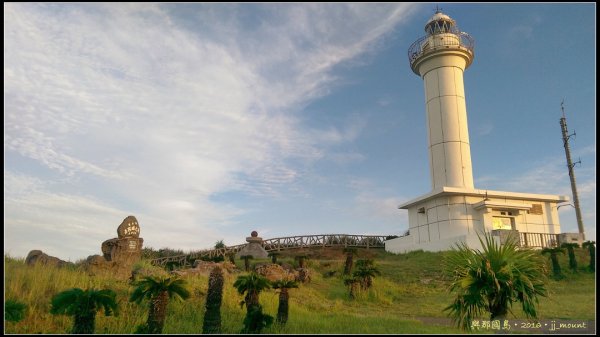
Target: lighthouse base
(445,217)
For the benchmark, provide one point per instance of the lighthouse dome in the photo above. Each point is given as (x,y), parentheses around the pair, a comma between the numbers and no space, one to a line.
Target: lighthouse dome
(440,23)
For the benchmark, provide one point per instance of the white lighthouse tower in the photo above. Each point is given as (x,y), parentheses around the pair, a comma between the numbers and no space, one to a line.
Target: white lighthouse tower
(454,211)
(440,58)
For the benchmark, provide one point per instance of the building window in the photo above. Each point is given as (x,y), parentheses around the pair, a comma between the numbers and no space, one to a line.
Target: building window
(502,223)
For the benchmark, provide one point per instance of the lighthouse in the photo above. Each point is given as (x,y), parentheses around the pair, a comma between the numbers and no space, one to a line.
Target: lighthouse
(440,59)
(454,211)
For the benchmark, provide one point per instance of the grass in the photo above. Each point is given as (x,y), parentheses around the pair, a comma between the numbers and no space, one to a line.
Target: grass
(408,298)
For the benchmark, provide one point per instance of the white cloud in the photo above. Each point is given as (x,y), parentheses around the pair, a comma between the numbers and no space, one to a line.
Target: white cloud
(162,110)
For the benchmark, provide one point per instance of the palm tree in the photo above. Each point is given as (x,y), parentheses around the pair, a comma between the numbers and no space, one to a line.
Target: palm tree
(252,284)
(571,250)
(231,257)
(592,249)
(350,252)
(212,316)
(554,257)
(274,256)
(284,297)
(365,272)
(246,259)
(301,259)
(83,305)
(158,290)
(492,279)
(219,244)
(14,311)
(352,283)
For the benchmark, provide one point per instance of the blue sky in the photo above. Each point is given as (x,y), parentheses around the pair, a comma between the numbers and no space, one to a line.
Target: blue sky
(208,121)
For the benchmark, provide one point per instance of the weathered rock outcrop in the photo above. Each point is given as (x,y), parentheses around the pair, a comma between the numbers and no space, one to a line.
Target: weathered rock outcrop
(274,272)
(37,256)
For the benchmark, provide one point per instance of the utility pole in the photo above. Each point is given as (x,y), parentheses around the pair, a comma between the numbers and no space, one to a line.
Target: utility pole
(571,165)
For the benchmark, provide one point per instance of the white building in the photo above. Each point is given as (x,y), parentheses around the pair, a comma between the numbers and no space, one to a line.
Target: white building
(455,211)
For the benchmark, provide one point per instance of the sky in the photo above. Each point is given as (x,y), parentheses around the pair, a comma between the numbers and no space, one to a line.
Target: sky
(209,121)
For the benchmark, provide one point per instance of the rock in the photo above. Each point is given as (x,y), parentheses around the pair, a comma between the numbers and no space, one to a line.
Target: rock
(129,228)
(37,256)
(205,267)
(121,253)
(303,275)
(274,272)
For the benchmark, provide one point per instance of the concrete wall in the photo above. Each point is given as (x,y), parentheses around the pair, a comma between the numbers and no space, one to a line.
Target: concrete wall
(399,246)
(447,219)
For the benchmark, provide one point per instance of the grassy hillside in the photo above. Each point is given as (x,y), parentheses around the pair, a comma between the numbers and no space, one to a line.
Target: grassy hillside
(408,297)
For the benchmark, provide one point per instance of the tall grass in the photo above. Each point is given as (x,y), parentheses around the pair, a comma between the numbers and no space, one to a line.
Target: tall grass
(410,287)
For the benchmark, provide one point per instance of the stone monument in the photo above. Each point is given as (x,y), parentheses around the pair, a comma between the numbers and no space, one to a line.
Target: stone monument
(128,246)
(254,248)
(121,253)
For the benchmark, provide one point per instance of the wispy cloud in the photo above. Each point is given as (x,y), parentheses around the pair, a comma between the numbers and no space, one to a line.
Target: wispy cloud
(161,106)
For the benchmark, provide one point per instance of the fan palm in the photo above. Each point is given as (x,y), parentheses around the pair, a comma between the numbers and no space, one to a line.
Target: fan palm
(492,279)
(14,311)
(571,250)
(252,284)
(83,305)
(158,290)
(592,249)
(284,298)
(554,251)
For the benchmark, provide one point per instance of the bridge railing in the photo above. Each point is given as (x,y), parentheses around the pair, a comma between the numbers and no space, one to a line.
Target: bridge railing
(278,244)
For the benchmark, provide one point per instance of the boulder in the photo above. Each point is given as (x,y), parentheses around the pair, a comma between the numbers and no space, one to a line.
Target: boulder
(37,256)
(274,272)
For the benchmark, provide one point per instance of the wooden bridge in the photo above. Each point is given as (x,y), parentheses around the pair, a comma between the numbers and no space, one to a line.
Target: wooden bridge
(278,244)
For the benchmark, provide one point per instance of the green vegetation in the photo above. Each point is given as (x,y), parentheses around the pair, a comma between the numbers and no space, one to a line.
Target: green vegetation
(214,298)
(83,305)
(252,285)
(158,290)
(571,250)
(14,311)
(408,298)
(591,246)
(553,252)
(284,298)
(492,279)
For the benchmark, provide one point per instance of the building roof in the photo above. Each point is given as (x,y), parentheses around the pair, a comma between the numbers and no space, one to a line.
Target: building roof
(484,194)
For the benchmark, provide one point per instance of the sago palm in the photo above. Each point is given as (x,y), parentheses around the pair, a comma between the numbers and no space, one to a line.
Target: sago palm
(492,279)
(158,290)
(554,251)
(571,250)
(214,297)
(352,284)
(591,246)
(350,252)
(284,298)
(83,305)
(14,311)
(365,272)
(251,285)
(246,259)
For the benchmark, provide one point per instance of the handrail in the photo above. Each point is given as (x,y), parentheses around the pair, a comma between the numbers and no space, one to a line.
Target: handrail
(282,243)
(421,46)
